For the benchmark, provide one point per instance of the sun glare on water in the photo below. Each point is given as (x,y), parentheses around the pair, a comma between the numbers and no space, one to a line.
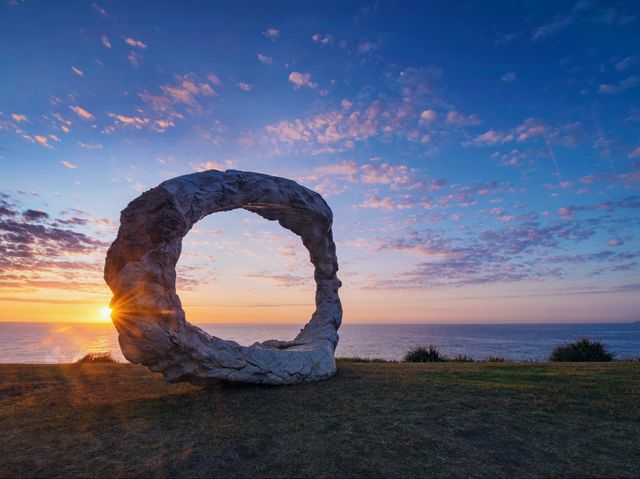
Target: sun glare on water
(105,313)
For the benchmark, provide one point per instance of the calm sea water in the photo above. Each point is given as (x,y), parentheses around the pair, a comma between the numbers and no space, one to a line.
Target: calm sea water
(56,343)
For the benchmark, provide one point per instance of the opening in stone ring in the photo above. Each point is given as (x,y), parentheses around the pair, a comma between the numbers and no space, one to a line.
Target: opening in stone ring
(140,269)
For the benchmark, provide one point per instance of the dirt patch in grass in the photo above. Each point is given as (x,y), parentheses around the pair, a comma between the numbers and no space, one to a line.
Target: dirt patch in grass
(371,419)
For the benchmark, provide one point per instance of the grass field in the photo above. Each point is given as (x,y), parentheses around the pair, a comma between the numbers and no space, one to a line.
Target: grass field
(371,419)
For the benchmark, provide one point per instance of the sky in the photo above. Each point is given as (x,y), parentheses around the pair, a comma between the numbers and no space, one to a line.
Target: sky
(482,159)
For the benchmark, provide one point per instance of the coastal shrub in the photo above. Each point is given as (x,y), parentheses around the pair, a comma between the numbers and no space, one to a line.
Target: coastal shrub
(97,358)
(424,354)
(496,359)
(582,350)
(358,359)
(462,358)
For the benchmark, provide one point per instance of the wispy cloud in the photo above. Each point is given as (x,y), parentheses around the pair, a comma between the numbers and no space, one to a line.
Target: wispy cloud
(69,165)
(622,85)
(132,42)
(454,117)
(508,77)
(322,39)
(551,29)
(624,64)
(267,60)
(105,41)
(82,113)
(101,10)
(77,71)
(366,47)
(271,33)
(134,59)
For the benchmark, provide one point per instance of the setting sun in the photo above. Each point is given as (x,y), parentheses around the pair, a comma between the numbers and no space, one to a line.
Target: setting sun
(105,313)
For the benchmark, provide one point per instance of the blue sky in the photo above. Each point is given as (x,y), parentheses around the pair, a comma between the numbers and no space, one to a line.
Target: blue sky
(482,158)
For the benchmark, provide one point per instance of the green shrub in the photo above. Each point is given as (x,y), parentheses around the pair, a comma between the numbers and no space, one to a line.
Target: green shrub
(424,354)
(582,350)
(462,358)
(97,358)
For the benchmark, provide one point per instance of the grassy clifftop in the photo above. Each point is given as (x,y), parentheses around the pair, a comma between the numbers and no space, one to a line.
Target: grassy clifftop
(373,419)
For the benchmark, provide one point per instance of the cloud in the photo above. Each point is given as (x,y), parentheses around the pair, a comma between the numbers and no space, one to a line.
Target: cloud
(491,137)
(134,59)
(387,116)
(244,86)
(214,79)
(77,71)
(427,116)
(82,113)
(286,280)
(138,123)
(508,77)
(162,111)
(551,29)
(456,118)
(398,202)
(635,153)
(322,39)
(103,13)
(135,43)
(90,146)
(265,59)
(69,165)
(271,33)
(529,129)
(336,178)
(367,47)
(19,118)
(105,41)
(622,85)
(513,253)
(301,80)
(42,140)
(624,64)
(215,165)
(37,252)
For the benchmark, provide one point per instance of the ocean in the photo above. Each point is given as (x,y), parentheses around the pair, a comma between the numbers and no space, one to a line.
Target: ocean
(61,343)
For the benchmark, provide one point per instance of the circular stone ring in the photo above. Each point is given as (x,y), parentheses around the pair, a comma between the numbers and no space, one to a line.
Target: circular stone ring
(140,269)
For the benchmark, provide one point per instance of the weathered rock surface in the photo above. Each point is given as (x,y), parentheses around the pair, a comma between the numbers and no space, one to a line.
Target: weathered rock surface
(140,270)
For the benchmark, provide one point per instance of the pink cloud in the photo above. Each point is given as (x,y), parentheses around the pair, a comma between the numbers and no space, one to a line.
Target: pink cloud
(427,116)
(135,43)
(491,137)
(69,165)
(456,118)
(77,71)
(322,39)
(271,33)
(265,59)
(82,113)
(133,59)
(301,79)
(105,41)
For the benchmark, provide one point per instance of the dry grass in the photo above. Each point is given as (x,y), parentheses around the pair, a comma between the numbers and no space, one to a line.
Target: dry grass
(372,419)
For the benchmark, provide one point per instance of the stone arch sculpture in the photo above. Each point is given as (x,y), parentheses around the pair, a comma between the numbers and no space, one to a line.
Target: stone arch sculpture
(140,270)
